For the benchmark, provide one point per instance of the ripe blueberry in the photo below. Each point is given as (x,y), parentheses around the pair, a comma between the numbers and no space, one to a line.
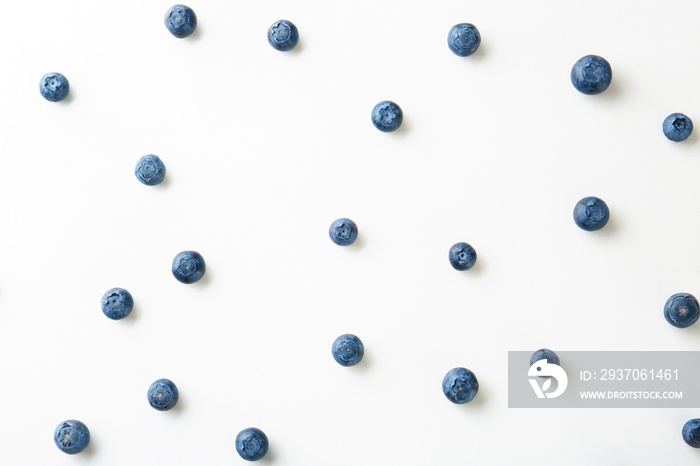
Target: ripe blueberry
(54,87)
(71,437)
(677,127)
(180,21)
(252,444)
(188,267)
(591,213)
(681,310)
(591,74)
(348,350)
(547,354)
(460,385)
(387,116)
(117,303)
(283,35)
(691,433)
(462,256)
(163,395)
(463,39)
(343,232)
(150,170)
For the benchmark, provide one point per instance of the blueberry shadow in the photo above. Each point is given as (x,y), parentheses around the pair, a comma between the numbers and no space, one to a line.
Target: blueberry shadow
(358,244)
(270,456)
(480,54)
(69,98)
(476,269)
(478,402)
(613,92)
(403,130)
(610,228)
(365,365)
(693,330)
(133,316)
(299,48)
(196,35)
(179,407)
(204,281)
(165,184)
(89,452)
(691,141)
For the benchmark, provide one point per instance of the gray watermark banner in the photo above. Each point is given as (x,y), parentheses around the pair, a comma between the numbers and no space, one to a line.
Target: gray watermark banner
(605,379)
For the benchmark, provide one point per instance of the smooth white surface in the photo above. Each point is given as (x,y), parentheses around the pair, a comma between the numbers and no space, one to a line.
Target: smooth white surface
(263,151)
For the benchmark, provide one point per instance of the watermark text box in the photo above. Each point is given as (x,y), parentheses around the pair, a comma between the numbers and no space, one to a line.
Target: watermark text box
(606,379)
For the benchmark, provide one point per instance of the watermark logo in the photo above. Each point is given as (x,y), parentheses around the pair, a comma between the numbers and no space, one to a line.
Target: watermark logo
(604,379)
(543,369)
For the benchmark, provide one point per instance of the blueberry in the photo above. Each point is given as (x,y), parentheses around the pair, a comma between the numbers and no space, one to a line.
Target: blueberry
(348,350)
(283,35)
(591,213)
(343,232)
(150,170)
(117,303)
(691,433)
(387,116)
(547,354)
(163,395)
(71,437)
(180,21)
(252,444)
(54,87)
(677,127)
(460,385)
(591,74)
(189,267)
(462,256)
(463,39)
(681,310)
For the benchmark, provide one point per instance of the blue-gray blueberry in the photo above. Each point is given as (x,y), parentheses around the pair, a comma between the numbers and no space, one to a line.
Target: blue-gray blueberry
(343,232)
(71,437)
(387,116)
(547,354)
(252,444)
(283,35)
(677,127)
(348,350)
(462,256)
(150,170)
(117,303)
(180,21)
(591,213)
(163,395)
(188,267)
(460,385)
(591,74)
(681,310)
(54,87)
(691,433)
(463,39)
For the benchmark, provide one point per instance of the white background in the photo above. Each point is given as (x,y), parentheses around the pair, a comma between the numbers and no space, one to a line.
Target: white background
(263,151)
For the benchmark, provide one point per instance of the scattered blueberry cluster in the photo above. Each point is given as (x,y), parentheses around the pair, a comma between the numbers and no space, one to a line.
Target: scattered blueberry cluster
(590,75)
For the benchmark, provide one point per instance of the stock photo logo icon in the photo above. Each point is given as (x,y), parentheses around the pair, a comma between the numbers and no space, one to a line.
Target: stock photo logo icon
(544,369)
